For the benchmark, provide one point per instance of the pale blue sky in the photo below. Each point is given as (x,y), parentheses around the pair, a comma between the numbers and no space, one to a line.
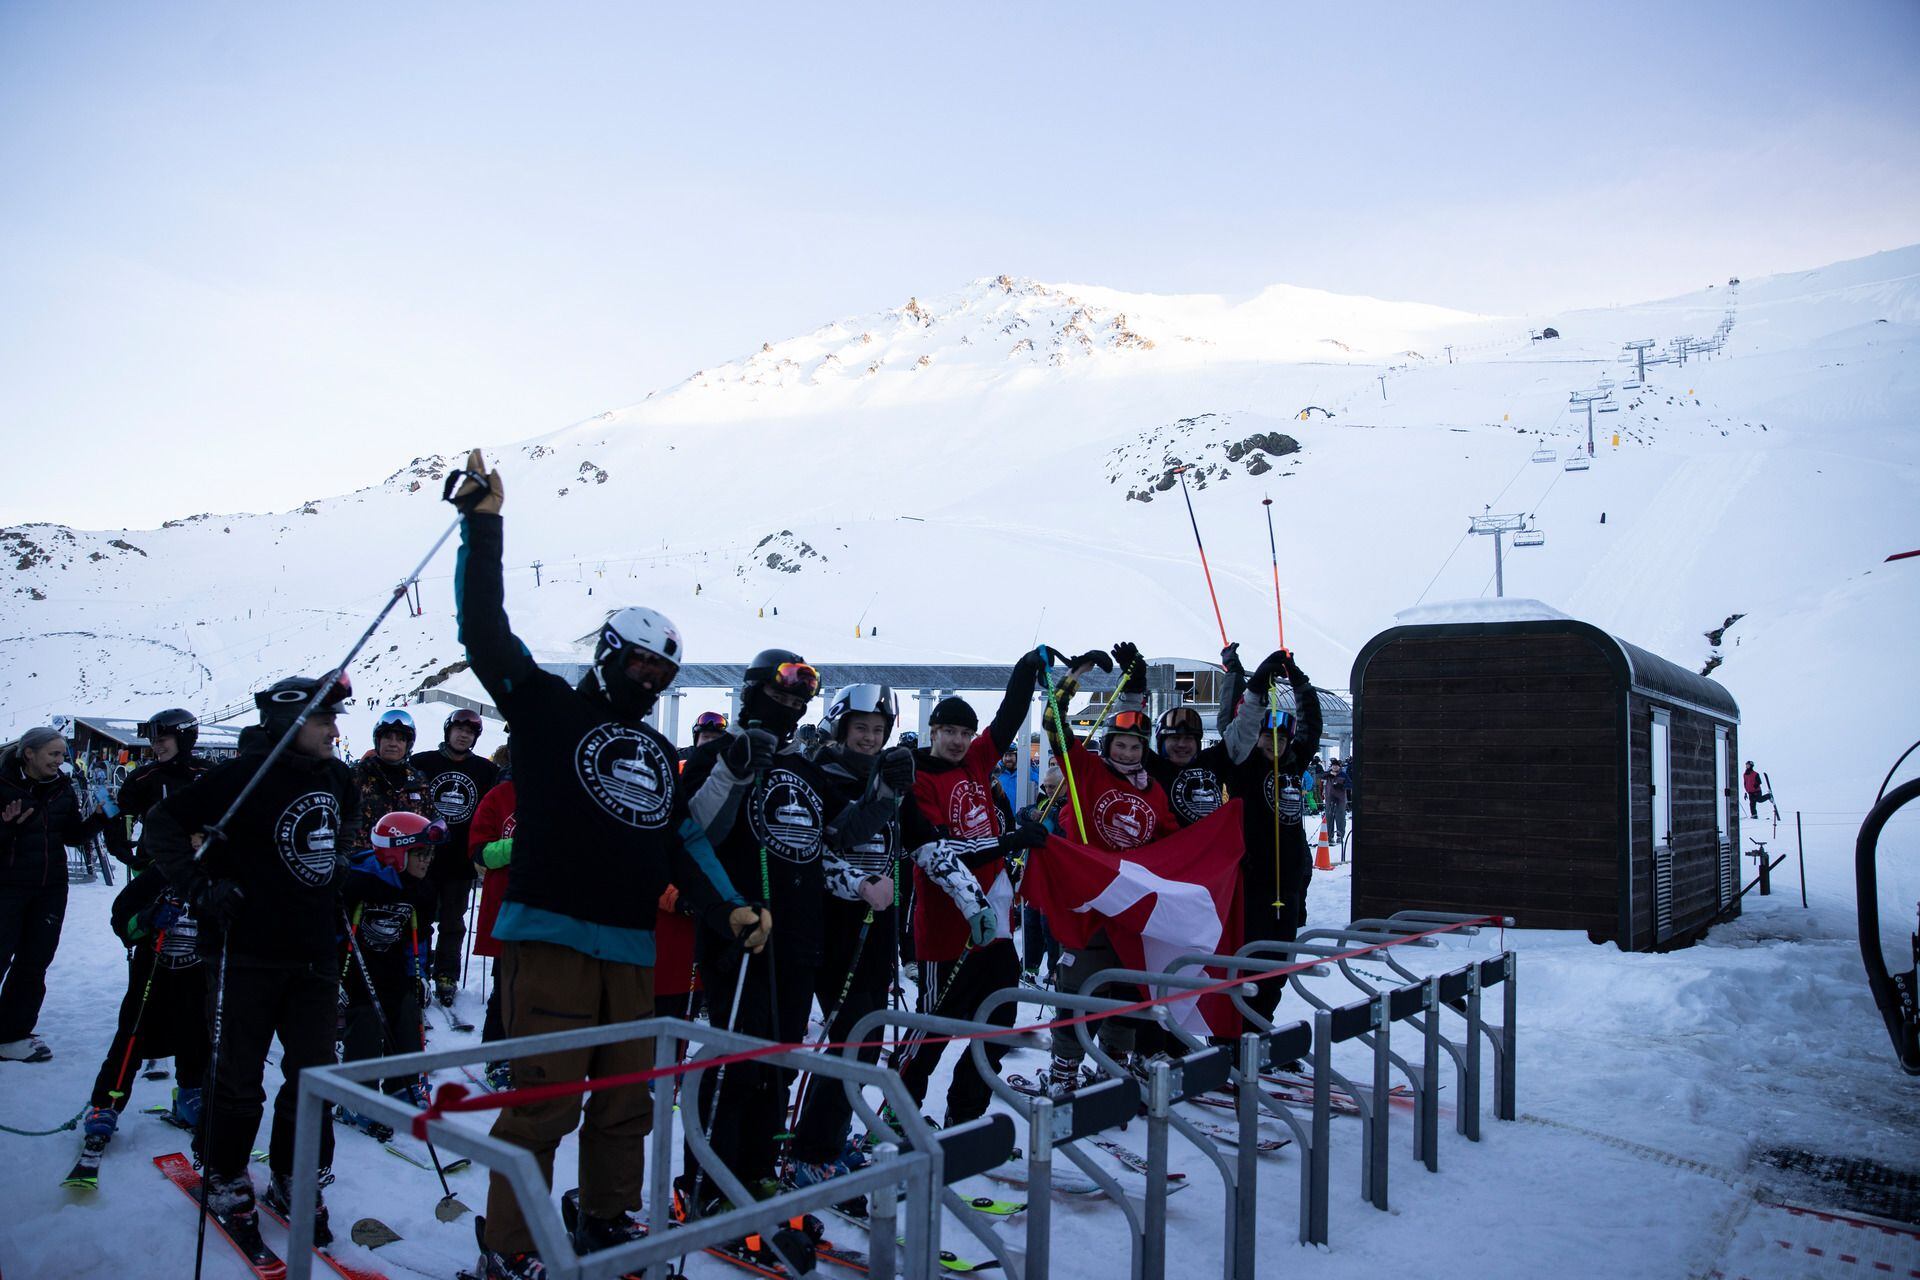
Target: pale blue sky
(251,254)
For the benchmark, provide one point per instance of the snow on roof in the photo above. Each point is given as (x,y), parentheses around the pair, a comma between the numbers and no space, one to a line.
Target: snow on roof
(1507,609)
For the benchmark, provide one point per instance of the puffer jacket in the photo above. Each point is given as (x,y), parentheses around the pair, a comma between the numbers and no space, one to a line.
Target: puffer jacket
(34,853)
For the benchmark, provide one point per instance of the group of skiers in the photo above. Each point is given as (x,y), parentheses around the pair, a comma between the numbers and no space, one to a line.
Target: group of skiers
(783,872)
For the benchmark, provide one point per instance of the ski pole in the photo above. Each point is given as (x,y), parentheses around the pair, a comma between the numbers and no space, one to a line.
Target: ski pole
(1182,473)
(1273,700)
(133,1036)
(1273,550)
(719,1083)
(213,1082)
(826,1027)
(1065,743)
(1106,709)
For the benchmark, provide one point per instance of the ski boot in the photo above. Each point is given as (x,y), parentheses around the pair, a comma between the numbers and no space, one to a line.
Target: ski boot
(98,1130)
(418,1094)
(279,1199)
(354,1120)
(1063,1077)
(591,1234)
(29,1049)
(444,990)
(806,1173)
(185,1112)
(495,1265)
(230,1201)
(499,1076)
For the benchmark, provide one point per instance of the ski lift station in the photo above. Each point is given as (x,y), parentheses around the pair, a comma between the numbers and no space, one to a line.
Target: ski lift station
(1515,761)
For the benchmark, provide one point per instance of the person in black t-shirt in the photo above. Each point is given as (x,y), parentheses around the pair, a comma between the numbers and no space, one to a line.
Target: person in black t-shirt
(457,777)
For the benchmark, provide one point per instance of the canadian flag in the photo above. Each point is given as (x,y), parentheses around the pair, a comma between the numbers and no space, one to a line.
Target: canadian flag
(1178,895)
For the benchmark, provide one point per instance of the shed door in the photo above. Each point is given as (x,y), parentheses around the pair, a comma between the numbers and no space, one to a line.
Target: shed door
(1662,810)
(1722,800)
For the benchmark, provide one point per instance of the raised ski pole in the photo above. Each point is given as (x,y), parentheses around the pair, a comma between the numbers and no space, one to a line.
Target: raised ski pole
(1066,756)
(1273,550)
(1194,521)
(1273,700)
(133,1036)
(1106,709)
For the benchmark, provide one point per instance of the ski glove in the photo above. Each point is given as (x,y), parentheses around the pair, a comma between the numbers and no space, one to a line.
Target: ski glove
(982,927)
(1127,654)
(1029,835)
(751,752)
(1272,667)
(496,854)
(1092,658)
(161,915)
(480,491)
(1230,660)
(217,900)
(896,770)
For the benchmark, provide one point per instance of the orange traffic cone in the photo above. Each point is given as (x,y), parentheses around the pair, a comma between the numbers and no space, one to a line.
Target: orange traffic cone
(1323,852)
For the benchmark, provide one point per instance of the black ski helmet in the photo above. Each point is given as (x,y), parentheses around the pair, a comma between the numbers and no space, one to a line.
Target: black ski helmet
(471,719)
(392,722)
(177,721)
(1175,722)
(1125,724)
(280,702)
(787,669)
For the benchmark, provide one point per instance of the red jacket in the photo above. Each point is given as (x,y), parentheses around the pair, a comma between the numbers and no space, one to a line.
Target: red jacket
(957,802)
(492,820)
(1118,815)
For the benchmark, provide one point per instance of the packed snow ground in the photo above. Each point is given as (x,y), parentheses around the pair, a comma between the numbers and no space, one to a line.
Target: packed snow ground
(1648,1085)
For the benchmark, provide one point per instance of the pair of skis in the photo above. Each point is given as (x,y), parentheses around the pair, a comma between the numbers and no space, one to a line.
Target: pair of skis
(262,1260)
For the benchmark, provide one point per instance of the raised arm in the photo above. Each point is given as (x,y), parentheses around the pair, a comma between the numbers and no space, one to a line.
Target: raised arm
(1017,699)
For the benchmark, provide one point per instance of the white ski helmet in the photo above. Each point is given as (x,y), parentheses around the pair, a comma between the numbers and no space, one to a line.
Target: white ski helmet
(858,699)
(626,630)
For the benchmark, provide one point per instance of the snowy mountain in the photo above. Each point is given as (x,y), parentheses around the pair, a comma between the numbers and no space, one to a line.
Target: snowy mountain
(952,467)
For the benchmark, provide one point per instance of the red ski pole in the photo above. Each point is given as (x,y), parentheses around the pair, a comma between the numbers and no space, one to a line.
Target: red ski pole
(1182,473)
(1274,550)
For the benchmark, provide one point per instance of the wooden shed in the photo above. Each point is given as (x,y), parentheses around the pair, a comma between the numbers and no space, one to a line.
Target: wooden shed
(1532,765)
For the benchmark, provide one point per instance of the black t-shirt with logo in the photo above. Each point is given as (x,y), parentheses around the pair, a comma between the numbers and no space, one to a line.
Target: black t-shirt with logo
(454,788)
(284,848)
(785,813)
(1196,788)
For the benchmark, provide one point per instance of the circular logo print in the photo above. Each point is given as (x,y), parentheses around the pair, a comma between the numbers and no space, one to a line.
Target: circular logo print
(1288,804)
(453,795)
(1196,793)
(1124,820)
(380,927)
(969,812)
(305,836)
(787,816)
(628,773)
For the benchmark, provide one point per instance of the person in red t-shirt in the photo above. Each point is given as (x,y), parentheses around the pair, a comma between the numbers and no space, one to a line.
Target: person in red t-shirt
(490,845)
(953,808)
(1113,804)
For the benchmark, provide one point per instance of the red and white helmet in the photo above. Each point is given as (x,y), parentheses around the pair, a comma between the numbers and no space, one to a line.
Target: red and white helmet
(396,835)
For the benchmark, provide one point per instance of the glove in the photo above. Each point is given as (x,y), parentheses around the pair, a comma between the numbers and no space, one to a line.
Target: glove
(1230,660)
(217,900)
(982,927)
(1290,670)
(877,892)
(1266,673)
(1028,835)
(161,915)
(472,498)
(1092,658)
(751,752)
(896,770)
(1127,654)
(496,854)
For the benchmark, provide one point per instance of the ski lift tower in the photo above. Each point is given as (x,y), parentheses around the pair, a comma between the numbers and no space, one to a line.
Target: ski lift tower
(1498,527)
(1638,349)
(1678,347)
(1585,399)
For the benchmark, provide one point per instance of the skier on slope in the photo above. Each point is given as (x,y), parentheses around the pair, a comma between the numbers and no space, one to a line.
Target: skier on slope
(172,734)
(764,803)
(962,955)
(601,827)
(1276,866)
(870,784)
(1123,808)
(385,897)
(267,901)
(457,777)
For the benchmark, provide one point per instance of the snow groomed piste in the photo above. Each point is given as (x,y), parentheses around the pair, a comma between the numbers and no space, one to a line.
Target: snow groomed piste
(913,1180)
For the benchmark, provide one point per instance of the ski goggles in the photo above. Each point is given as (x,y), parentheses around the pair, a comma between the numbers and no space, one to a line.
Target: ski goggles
(797,677)
(1280,720)
(467,719)
(1134,722)
(710,721)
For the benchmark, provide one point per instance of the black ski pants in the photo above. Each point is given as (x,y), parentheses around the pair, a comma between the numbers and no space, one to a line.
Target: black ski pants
(298,1003)
(752,1108)
(366,1035)
(965,983)
(30,920)
(450,927)
(825,1113)
(163,1015)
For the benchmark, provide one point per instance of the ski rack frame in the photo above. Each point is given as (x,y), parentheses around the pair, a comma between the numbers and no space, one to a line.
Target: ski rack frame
(917,1167)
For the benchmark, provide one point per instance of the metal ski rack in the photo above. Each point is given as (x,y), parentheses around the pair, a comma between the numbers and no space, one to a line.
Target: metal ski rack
(915,1170)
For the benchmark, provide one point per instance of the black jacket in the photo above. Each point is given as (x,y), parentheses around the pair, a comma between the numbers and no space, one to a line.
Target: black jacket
(601,826)
(145,787)
(138,908)
(454,788)
(285,848)
(33,853)
(1270,818)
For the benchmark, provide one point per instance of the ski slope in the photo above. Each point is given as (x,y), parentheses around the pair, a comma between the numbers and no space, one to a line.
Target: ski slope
(952,475)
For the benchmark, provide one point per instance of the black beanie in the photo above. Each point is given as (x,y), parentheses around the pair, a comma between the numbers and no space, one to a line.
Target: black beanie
(954,710)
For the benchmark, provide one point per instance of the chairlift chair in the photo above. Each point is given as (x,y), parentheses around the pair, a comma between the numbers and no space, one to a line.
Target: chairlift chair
(1608,408)
(1544,454)
(1578,463)
(1530,538)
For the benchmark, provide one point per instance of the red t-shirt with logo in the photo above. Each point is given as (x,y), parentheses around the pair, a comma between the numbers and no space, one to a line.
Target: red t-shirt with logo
(1118,815)
(959,803)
